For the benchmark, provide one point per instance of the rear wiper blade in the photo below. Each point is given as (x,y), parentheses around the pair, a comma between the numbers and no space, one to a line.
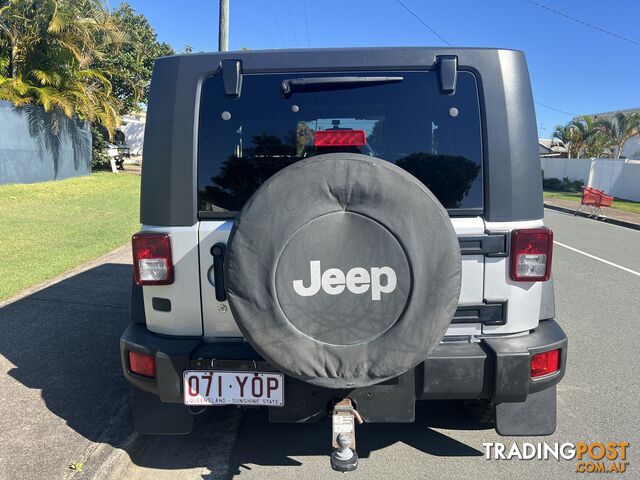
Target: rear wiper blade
(291,85)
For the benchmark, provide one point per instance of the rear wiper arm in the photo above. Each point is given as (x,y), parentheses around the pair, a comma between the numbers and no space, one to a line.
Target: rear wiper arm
(291,85)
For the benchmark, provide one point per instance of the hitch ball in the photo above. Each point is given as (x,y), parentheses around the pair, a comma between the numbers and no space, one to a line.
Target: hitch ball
(344,451)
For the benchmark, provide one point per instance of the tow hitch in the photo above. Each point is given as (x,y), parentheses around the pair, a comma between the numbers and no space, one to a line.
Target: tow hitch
(343,438)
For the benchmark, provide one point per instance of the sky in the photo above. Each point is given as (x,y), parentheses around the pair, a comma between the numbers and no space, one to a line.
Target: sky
(574,69)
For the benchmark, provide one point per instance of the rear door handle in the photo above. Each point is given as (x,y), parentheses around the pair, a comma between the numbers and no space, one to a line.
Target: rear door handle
(217,251)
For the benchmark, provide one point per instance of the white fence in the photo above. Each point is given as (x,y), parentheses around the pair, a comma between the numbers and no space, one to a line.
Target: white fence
(620,178)
(133,130)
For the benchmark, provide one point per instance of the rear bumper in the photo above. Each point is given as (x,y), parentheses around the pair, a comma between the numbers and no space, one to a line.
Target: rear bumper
(497,369)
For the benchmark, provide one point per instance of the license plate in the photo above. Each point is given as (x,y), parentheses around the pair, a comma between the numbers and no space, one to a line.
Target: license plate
(213,387)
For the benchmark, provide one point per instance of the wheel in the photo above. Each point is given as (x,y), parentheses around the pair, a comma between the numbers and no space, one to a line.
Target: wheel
(481,411)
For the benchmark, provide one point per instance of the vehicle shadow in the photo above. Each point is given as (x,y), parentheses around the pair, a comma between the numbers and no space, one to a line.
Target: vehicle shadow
(64,341)
(286,441)
(227,442)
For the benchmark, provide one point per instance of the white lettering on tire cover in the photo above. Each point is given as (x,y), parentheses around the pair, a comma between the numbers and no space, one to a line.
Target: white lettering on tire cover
(357,280)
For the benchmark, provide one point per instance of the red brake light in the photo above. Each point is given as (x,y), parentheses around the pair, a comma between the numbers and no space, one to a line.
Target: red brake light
(531,251)
(545,363)
(152,264)
(142,364)
(340,138)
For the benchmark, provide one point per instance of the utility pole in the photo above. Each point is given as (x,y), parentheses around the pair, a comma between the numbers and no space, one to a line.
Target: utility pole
(223,32)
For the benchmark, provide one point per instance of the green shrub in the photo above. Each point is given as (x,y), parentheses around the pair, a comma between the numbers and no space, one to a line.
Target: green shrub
(564,185)
(99,145)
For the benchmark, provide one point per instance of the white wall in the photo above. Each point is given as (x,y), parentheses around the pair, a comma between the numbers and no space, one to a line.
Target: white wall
(574,168)
(134,134)
(620,178)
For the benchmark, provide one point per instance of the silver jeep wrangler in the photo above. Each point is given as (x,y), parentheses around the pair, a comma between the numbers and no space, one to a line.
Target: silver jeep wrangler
(343,232)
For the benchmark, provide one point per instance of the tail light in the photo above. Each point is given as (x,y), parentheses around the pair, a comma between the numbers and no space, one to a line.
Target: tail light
(142,364)
(339,138)
(545,363)
(152,264)
(531,251)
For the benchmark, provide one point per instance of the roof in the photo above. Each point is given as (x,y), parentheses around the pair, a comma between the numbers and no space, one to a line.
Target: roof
(551,147)
(611,113)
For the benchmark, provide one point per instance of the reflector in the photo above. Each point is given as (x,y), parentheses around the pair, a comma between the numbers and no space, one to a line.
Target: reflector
(545,363)
(142,364)
(340,138)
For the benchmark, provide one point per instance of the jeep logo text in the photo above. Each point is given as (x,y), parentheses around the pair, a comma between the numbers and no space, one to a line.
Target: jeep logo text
(357,280)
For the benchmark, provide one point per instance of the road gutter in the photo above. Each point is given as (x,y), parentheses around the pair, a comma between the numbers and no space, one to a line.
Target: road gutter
(612,221)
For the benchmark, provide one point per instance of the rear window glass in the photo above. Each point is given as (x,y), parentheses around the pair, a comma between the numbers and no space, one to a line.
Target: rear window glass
(244,141)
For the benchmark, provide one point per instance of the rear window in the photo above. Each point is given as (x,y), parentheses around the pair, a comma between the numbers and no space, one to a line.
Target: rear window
(244,141)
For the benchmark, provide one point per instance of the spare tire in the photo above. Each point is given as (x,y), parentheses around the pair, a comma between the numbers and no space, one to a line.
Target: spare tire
(343,270)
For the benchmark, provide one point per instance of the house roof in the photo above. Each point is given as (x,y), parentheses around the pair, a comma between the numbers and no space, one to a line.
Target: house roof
(551,146)
(611,114)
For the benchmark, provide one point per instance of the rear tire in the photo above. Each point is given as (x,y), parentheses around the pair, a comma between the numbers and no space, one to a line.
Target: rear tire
(481,410)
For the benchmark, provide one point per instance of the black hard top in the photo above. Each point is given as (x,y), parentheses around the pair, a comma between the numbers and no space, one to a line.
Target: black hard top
(513,182)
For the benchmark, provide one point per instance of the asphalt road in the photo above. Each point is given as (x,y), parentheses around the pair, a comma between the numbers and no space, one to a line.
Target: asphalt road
(62,399)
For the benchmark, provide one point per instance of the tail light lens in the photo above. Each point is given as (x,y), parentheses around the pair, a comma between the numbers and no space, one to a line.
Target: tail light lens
(142,364)
(339,138)
(531,251)
(545,363)
(152,264)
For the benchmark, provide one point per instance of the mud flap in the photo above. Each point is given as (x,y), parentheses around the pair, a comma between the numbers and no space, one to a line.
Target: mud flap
(153,417)
(535,416)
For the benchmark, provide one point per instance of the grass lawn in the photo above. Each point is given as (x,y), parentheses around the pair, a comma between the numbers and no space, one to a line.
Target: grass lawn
(625,205)
(47,228)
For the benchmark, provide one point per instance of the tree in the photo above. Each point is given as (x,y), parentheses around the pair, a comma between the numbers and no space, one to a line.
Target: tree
(240,176)
(583,137)
(619,130)
(449,177)
(48,49)
(568,138)
(594,144)
(130,70)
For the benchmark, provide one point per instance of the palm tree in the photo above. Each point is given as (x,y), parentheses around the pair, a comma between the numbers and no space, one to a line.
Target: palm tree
(47,48)
(588,135)
(568,138)
(619,130)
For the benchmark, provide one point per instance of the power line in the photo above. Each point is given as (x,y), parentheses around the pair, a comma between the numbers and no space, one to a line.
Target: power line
(293,26)
(442,38)
(584,23)
(556,109)
(306,22)
(275,20)
(264,24)
(423,22)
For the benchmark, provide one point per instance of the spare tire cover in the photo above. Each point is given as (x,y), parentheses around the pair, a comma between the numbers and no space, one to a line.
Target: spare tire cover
(343,270)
